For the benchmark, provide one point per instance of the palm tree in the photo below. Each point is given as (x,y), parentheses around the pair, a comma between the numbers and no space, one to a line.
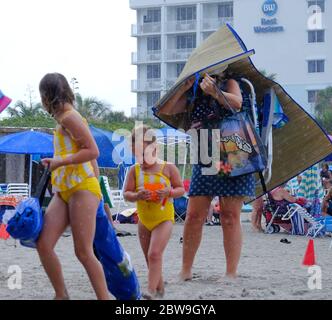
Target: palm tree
(91,108)
(323,108)
(22,110)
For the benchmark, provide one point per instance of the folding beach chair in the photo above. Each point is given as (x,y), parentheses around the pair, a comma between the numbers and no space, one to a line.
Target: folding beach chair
(180,208)
(316,225)
(18,189)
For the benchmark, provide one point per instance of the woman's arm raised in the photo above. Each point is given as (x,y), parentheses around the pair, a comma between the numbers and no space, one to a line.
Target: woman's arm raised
(178,102)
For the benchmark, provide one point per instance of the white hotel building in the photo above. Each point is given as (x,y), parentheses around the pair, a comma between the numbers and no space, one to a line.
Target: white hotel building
(290,40)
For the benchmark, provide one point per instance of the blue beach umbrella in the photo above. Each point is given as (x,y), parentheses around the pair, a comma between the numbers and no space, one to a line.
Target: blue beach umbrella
(113,148)
(27,142)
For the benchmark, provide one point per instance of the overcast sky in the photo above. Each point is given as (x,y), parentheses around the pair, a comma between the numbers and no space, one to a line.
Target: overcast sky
(86,39)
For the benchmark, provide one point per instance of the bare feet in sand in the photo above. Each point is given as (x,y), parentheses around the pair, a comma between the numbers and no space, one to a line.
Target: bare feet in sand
(185,276)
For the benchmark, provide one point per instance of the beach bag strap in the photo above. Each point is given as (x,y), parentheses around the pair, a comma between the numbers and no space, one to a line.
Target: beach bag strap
(42,186)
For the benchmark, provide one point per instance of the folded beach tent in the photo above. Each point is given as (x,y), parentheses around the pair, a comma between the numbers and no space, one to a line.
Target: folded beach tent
(120,275)
(297,145)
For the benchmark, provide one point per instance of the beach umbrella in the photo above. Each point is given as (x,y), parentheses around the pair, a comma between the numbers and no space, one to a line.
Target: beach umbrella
(311,185)
(113,148)
(27,142)
(297,145)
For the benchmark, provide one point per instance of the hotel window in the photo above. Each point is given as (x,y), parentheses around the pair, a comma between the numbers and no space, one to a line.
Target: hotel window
(316,36)
(179,68)
(152,15)
(153,43)
(315,66)
(187,41)
(152,98)
(312,96)
(186,13)
(225,10)
(320,3)
(153,71)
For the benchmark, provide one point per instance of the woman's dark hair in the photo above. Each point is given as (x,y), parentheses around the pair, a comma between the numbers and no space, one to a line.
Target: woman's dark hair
(55,91)
(325,166)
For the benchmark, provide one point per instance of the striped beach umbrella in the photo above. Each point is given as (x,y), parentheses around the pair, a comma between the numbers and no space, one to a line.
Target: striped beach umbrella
(311,186)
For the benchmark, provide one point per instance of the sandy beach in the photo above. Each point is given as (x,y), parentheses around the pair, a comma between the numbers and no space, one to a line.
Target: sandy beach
(268,269)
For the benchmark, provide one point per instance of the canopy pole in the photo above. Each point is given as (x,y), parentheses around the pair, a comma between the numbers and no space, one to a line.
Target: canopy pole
(185,163)
(30,175)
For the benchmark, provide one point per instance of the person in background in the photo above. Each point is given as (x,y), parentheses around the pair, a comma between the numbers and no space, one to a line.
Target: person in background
(327,204)
(326,176)
(256,214)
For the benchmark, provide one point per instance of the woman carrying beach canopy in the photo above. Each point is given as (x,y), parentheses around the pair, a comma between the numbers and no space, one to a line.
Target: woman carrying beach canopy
(209,108)
(77,191)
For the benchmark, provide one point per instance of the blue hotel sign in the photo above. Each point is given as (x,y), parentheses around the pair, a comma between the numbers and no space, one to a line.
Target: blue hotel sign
(269,23)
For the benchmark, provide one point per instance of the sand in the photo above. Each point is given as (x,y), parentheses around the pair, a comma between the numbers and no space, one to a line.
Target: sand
(268,269)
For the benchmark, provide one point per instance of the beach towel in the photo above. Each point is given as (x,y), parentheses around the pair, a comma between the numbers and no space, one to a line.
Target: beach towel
(120,275)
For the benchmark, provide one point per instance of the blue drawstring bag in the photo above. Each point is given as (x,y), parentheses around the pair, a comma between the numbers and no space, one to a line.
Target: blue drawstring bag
(120,276)
(27,222)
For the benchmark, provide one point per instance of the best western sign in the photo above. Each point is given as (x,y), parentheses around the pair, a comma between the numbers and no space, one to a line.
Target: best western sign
(269,23)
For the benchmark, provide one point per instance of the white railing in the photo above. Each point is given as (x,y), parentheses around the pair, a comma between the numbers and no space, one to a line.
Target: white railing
(134,59)
(146,85)
(145,28)
(214,24)
(134,32)
(134,86)
(143,57)
(179,54)
(181,25)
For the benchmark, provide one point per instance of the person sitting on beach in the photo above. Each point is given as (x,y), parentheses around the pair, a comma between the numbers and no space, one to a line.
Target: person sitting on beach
(282,198)
(327,204)
(155,207)
(77,191)
(326,176)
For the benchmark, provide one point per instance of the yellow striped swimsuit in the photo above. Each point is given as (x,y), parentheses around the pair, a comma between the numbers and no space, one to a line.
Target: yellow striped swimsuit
(66,180)
(150,213)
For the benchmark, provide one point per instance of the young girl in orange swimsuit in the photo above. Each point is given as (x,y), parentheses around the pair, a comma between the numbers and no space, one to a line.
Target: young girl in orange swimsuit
(153,184)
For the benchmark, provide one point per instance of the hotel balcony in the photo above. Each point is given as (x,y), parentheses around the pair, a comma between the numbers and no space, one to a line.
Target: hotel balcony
(179,54)
(215,24)
(145,57)
(145,28)
(146,85)
(181,26)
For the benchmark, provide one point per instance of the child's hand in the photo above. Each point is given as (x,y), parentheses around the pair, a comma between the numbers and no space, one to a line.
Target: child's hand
(51,163)
(143,194)
(164,193)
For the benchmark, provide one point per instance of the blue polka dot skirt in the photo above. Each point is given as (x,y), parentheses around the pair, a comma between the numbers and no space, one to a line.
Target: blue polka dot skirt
(222,186)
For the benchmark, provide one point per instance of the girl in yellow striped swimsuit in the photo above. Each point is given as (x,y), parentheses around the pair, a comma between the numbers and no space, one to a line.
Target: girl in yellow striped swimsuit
(77,191)
(155,207)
